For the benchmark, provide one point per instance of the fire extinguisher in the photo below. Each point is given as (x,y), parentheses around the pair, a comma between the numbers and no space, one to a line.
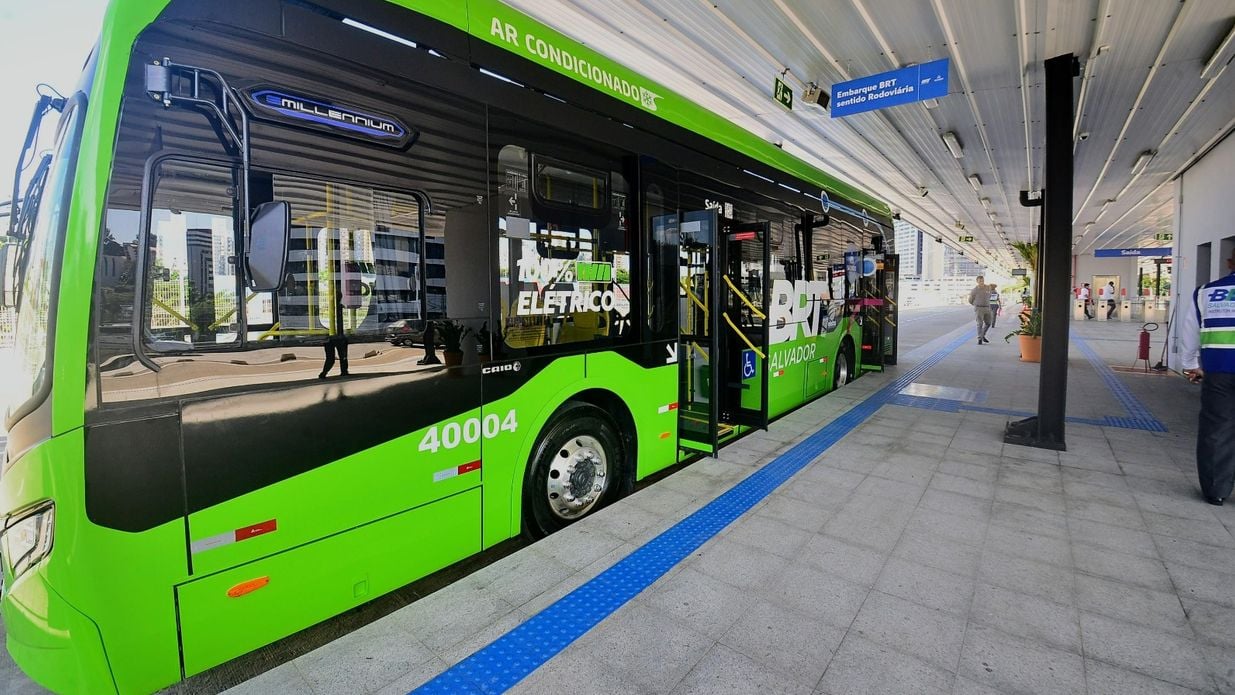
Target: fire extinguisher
(1142,348)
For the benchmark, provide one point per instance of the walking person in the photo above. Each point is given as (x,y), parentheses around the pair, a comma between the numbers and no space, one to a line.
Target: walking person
(996,304)
(1109,291)
(1086,297)
(980,298)
(336,345)
(1207,355)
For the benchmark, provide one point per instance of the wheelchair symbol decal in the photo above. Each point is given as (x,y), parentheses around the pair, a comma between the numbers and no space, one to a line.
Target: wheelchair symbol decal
(748,364)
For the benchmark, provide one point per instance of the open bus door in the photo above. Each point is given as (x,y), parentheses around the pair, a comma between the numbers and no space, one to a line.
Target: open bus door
(723,328)
(745,252)
(877,294)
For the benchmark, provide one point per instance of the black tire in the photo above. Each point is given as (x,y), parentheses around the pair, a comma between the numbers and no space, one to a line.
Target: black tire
(568,450)
(842,370)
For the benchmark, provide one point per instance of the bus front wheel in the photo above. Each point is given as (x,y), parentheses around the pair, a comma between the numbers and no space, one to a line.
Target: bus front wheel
(576,468)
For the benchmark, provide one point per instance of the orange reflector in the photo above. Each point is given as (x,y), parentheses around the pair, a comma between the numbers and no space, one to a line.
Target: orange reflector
(664,435)
(246,587)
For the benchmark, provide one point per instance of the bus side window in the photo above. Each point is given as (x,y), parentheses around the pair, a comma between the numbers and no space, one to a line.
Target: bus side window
(191,283)
(353,263)
(564,266)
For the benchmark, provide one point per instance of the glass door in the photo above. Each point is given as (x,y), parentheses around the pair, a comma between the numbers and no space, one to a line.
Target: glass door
(746,291)
(698,392)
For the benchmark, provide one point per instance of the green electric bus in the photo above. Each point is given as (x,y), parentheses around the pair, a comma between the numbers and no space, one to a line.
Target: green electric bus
(317,297)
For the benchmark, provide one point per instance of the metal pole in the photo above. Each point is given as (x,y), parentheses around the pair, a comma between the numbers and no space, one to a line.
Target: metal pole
(1046,430)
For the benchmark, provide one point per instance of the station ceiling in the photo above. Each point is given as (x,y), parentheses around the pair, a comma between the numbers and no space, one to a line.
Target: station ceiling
(1144,88)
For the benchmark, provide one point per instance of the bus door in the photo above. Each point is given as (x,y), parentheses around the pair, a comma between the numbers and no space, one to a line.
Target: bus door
(698,392)
(723,328)
(745,290)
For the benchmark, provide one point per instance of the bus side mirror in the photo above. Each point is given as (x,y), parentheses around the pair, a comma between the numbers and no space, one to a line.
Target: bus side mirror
(270,227)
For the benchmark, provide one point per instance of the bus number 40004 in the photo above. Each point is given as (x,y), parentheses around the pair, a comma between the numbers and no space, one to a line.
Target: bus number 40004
(469,432)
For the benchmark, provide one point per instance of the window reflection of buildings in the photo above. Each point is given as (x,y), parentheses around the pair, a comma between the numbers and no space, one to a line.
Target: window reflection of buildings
(387,261)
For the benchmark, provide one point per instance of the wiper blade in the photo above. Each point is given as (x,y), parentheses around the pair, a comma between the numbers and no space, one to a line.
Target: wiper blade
(21,224)
(46,103)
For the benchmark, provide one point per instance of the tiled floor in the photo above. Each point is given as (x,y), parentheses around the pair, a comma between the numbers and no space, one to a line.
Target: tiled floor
(918,554)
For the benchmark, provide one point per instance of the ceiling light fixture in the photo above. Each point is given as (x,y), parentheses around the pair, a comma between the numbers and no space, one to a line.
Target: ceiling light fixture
(954,145)
(986,203)
(975,182)
(1143,161)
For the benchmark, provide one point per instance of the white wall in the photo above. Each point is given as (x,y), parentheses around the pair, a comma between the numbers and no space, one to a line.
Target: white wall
(1202,215)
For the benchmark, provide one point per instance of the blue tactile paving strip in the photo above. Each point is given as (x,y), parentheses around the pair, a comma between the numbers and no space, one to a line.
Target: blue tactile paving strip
(509,659)
(1139,416)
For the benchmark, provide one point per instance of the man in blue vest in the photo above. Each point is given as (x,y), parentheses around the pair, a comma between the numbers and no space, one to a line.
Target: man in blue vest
(1207,352)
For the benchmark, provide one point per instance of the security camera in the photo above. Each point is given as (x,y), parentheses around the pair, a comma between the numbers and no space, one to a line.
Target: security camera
(1084,135)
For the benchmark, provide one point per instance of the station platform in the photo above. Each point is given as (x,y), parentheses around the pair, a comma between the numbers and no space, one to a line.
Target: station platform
(880,540)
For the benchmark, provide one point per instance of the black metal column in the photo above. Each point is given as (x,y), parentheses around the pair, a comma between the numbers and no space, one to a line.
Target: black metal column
(1055,246)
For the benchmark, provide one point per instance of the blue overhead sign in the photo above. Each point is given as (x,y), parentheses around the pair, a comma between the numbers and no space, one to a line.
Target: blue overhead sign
(1119,253)
(914,83)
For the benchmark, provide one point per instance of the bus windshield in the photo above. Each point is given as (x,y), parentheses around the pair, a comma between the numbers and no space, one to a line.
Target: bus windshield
(44,213)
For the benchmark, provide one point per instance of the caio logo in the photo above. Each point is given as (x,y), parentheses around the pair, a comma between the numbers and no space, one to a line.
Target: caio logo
(499,368)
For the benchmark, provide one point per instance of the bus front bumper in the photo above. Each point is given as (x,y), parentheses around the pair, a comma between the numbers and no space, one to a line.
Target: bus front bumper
(52,642)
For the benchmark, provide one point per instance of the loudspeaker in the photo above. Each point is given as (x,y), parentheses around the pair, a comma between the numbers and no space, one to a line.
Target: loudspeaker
(814,95)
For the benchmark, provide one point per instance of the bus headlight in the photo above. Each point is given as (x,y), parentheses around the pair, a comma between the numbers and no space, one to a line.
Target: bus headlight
(27,537)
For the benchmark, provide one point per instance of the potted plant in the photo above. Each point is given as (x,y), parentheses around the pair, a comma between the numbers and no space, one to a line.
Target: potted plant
(452,334)
(484,342)
(1030,334)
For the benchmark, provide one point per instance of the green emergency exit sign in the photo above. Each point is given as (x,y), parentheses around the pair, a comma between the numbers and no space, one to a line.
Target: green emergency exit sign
(1164,236)
(966,239)
(782,93)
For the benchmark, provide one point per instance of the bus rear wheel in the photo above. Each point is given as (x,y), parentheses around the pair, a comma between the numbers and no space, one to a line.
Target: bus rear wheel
(576,468)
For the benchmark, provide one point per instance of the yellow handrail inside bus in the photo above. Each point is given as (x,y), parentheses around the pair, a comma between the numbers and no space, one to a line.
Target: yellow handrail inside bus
(691,295)
(175,314)
(754,309)
(743,336)
(702,354)
(228,315)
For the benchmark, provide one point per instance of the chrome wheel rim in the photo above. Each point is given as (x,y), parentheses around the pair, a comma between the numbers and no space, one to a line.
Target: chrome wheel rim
(578,477)
(842,370)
